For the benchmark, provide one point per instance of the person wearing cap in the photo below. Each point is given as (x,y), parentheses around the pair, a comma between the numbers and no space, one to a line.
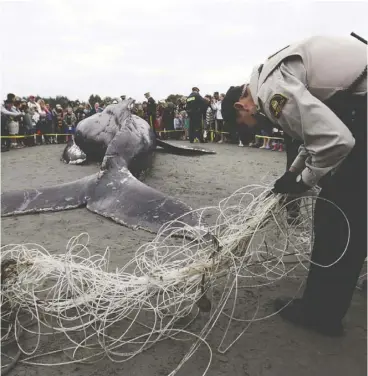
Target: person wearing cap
(6,107)
(195,106)
(316,91)
(10,97)
(151,110)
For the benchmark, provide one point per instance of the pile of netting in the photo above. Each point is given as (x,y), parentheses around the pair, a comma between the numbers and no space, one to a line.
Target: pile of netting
(119,314)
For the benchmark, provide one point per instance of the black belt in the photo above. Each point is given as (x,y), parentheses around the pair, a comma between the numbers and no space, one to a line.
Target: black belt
(347,106)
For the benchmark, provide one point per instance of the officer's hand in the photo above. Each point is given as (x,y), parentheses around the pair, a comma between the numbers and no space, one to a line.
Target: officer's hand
(288,184)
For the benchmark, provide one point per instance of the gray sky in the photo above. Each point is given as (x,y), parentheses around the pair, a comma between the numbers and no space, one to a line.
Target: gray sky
(82,47)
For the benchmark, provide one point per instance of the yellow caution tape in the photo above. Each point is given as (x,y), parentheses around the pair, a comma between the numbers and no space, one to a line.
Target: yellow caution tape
(33,135)
(71,134)
(183,130)
(271,138)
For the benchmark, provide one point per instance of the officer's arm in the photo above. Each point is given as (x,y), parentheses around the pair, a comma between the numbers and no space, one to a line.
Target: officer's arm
(327,140)
(299,163)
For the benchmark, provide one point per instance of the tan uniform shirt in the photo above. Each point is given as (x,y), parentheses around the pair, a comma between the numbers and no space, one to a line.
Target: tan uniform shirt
(291,89)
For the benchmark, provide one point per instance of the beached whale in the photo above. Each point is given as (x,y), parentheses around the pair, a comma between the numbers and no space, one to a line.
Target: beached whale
(125,144)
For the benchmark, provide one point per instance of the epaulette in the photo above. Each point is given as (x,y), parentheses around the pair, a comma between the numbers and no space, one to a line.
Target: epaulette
(282,49)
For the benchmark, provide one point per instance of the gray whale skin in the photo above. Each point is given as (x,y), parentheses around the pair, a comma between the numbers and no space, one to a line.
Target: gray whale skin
(125,145)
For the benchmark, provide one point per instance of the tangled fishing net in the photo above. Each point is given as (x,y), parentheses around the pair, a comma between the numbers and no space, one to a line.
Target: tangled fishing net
(158,295)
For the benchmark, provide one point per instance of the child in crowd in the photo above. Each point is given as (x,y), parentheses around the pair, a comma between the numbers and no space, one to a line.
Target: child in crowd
(185,118)
(178,124)
(70,122)
(58,123)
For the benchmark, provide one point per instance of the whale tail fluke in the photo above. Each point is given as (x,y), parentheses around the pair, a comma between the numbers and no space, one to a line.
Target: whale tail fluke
(55,198)
(121,197)
(182,149)
(113,193)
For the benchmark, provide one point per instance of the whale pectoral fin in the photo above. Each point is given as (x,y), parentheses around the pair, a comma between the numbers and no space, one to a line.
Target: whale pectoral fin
(55,198)
(182,149)
(121,197)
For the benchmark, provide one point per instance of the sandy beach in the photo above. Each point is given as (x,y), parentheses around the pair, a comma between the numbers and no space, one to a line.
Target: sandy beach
(270,347)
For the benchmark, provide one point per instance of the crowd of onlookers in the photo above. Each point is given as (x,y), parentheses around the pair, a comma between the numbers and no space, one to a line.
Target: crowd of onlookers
(31,121)
(171,120)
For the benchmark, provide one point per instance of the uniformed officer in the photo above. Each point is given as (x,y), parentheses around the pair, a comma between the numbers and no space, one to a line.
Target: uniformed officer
(316,91)
(195,105)
(151,110)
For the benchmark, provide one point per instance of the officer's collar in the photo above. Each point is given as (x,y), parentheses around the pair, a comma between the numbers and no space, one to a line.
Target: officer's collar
(253,83)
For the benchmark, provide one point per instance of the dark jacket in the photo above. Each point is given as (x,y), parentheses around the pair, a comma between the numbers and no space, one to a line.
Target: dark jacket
(195,104)
(151,107)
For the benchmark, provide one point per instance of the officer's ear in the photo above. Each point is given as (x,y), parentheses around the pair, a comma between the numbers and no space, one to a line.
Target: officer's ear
(239,106)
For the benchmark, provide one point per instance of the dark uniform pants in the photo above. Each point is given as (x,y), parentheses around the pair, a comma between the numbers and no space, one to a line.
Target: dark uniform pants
(60,130)
(195,126)
(152,121)
(329,290)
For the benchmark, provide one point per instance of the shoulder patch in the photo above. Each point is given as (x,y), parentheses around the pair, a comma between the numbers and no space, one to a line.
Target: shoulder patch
(277,103)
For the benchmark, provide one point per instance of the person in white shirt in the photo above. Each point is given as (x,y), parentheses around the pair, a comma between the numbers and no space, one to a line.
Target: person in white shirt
(34,111)
(216,106)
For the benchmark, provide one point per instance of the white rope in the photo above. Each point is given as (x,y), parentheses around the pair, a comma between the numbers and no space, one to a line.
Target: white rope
(75,295)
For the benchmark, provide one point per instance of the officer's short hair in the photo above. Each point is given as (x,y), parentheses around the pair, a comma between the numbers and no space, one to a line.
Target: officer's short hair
(227,105)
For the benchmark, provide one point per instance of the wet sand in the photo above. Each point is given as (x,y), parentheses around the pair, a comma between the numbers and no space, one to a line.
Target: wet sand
(269,347)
